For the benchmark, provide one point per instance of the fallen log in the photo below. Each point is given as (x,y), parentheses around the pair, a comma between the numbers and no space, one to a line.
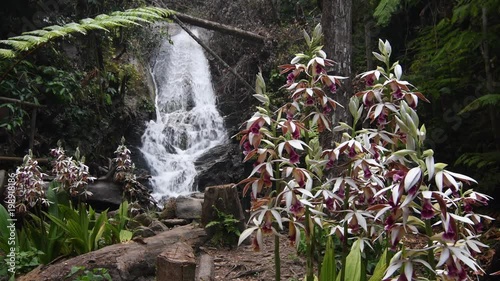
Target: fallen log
(227,29)
(124,262)
(20,159)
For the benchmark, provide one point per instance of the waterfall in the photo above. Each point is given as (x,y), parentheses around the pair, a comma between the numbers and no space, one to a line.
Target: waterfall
(187,121)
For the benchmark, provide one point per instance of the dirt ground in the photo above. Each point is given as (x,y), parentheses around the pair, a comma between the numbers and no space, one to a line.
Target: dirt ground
(243,263)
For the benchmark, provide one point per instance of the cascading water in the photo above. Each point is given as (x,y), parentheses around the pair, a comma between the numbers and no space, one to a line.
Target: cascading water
(187,121)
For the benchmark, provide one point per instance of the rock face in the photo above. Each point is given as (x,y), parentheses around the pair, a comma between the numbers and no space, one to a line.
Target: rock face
(221,165)
(188,208)
(105,195)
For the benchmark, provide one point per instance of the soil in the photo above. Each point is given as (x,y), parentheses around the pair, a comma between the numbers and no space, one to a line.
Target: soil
(243,263)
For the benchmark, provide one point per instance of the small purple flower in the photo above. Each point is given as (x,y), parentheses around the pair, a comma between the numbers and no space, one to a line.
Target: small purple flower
(369,80)
(397,177)
(382,119)
(290,78)
(352,152)
(255,128)
(329,203)
(297,209)
(427,210)
(327,109)
(398,94)
(247,147)
(296,133)
(309,101)
(319,69)
(294,157)
(449,234)
(389,222)
(367,173)
(333,88)
(330,164)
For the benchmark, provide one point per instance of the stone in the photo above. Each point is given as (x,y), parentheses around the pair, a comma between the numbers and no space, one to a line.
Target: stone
(188,208)
(143,231)
(157,226)
(220,165)
(105,195)
(168,211)
(205,271)
(174,222)
(140,220)
(177,262)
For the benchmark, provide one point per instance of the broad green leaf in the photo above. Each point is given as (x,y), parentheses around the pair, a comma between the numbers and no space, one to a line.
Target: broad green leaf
(380,268)
(125,235)
(328,267)
(353,263)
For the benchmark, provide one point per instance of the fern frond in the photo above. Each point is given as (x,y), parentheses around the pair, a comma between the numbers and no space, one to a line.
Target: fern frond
(131,17)
(76,28)
(479,160)
(17,45)
(384,11)
(39,32)
(482,102)
(7,54)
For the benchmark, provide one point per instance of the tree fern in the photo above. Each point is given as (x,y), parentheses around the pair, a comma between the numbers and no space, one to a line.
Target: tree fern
(384,11)
(482,102)
(479,160)
(30,40)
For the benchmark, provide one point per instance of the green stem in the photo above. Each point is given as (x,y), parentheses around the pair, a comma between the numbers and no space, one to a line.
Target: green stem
(309,247)
(430,252)
(345,246)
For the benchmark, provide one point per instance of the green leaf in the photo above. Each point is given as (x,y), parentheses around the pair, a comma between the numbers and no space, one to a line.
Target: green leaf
(328,267)
(353,263)
(380,268)
(125,235)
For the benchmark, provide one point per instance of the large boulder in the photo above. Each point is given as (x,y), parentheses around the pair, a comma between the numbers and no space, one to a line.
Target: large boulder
(220,165)
(188,208)
(105,195)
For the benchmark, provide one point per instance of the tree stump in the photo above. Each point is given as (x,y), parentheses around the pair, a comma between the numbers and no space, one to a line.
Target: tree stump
(177,262)
(225,198)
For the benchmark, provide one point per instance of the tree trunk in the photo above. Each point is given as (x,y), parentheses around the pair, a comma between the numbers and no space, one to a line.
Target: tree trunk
(490,88)
(337,28)
(177,262)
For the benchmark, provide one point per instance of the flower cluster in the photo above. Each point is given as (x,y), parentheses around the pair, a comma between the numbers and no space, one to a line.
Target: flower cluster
(71,174)
(29,186)
(123,161)
(390,187)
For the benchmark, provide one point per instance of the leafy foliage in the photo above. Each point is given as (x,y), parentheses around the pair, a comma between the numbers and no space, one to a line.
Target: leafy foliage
(80,273)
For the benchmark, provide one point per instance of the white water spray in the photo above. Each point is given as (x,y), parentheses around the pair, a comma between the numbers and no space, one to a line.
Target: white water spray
(187,121)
